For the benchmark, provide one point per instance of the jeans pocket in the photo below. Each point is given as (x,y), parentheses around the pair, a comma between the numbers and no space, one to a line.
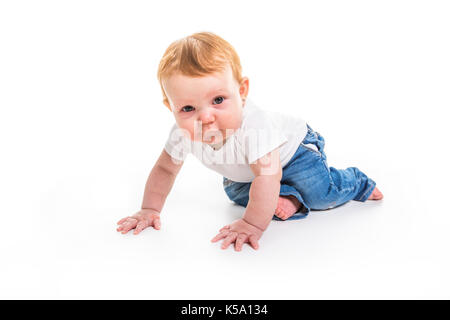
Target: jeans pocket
(314,142)
(311,146)
(227,182)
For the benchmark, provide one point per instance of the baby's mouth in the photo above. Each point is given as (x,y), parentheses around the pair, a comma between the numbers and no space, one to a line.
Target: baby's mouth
(211,135)
(210,139)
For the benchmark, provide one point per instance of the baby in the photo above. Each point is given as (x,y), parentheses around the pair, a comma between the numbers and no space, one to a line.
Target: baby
(272,164)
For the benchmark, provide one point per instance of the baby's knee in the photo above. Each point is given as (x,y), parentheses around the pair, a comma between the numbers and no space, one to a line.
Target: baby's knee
(322,200)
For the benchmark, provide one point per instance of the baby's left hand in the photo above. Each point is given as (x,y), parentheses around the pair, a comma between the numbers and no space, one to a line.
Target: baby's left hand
(239,232)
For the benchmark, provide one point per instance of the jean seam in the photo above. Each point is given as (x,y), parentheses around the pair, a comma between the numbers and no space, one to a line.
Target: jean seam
(372,187)
(329,174)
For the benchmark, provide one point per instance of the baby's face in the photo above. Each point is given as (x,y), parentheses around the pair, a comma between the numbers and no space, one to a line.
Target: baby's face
(211,104)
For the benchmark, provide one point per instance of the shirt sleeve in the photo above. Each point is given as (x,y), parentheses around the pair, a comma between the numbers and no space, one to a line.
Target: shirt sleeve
(260,135)
(177,144)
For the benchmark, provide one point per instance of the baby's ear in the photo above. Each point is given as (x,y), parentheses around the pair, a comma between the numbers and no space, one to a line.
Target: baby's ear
(167,104)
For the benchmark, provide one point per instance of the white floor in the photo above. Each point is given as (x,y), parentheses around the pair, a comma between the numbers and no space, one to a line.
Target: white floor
(395,248)
(82,125)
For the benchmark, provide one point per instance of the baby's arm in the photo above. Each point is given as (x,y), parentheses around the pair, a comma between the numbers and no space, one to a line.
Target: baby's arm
(160,182)
(264,190)
(158,186)
(263,199)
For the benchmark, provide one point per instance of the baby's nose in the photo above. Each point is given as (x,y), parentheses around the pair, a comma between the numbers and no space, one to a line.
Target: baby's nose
(207,117)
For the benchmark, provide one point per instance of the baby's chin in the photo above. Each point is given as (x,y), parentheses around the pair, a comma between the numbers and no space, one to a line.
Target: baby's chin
(215,137)
(213,140)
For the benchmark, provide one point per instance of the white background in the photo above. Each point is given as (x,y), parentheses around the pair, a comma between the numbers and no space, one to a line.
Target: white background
(82,123)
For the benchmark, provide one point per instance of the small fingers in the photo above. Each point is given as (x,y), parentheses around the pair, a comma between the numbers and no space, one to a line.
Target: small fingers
(241,239)
(229,239)
(122,224)
(126,226)
(221,235)
(140,226)
(224,228)
(122,220)
(253,242)
(157,223)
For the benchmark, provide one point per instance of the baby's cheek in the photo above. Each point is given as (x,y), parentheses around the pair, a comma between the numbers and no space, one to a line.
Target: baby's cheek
(187,127)
(194,134)
(233,121)
(191,135)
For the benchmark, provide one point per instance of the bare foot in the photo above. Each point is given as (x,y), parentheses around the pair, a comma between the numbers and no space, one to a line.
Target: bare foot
(287,206)
(376,195)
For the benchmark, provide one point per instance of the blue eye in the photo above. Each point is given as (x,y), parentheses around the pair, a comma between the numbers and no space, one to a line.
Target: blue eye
(190,108)
(220,99)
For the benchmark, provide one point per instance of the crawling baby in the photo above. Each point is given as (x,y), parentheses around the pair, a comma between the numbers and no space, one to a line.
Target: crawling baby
(272,164)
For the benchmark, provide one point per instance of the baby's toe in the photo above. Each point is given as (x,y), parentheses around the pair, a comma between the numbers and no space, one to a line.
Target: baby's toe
(278,212)
(283,215)
(376,195)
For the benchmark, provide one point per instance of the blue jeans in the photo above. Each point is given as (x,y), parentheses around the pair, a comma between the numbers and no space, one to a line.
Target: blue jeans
(308,178)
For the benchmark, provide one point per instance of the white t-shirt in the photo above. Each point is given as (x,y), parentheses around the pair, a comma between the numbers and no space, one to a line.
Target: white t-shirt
(261,132)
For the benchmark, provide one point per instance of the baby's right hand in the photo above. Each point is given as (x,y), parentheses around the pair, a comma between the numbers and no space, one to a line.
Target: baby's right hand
(139,221)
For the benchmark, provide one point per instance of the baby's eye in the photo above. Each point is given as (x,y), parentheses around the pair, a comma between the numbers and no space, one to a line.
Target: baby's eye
(187,108)
(218,100)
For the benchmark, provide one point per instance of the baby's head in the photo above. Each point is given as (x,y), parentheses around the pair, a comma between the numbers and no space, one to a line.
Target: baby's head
(201,82)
